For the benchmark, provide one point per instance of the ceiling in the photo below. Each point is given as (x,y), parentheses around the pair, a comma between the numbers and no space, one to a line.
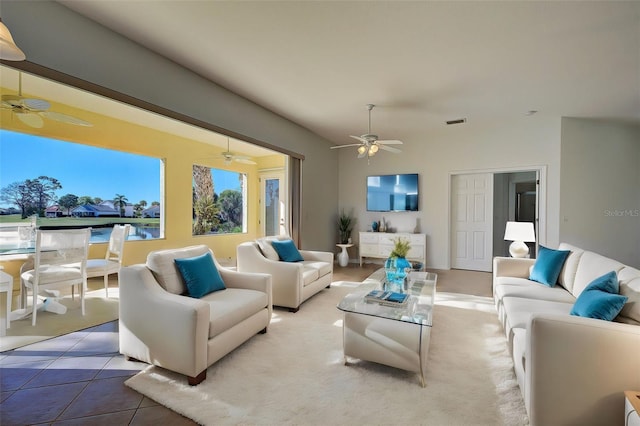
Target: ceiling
(318,63)
(81,101)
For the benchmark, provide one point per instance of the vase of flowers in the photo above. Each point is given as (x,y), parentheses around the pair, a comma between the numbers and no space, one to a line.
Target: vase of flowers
(397,266)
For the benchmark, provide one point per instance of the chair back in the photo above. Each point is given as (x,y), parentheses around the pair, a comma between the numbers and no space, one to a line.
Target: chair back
(119,235)
(62,247)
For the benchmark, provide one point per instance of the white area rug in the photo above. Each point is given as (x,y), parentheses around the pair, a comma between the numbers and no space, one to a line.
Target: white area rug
(295,374)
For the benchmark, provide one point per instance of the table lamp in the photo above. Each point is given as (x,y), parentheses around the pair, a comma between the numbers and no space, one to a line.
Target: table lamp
(519,233)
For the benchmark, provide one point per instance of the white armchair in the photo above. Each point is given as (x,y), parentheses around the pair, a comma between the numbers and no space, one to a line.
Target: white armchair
(162,326)
(293,282)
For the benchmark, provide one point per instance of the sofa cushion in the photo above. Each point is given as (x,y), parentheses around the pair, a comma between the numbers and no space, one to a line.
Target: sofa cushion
(309,275)
(266,248)
(628,273)
(161,264)
(323,268)
(200,275)
(568,273)
(592,266)
(287,251)
(548,265)
(535,291)
(518,311)
(631,289)
(232,306)
(600,299)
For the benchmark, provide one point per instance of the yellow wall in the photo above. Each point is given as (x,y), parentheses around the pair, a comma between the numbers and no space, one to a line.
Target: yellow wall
(179,156)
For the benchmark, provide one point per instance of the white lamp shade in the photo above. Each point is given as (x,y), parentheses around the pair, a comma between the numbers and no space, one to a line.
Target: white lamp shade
(8,49)
(520,231)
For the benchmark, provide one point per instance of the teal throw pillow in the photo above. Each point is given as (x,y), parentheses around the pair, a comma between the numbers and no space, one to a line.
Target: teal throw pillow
(287,251)
(548,265)
(600,299)
(200,275)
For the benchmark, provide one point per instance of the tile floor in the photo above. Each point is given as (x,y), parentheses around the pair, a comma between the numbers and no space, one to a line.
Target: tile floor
(76,379)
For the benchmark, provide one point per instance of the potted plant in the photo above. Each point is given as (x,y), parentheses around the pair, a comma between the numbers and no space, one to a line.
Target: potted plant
(401,247)
(397,266)
(345,226)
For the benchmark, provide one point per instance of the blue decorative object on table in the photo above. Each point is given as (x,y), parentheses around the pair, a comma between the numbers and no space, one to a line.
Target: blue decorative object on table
(396,269)
(374,226)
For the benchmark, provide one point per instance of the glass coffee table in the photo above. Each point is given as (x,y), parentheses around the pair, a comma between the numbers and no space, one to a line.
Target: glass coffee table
(394,336)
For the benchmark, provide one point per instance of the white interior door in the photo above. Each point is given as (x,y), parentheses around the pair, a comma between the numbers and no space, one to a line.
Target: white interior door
(472,221)
(273,212)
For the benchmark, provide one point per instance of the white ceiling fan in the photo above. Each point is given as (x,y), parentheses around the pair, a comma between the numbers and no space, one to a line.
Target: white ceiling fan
(229,156)
(31,110)
(369,143)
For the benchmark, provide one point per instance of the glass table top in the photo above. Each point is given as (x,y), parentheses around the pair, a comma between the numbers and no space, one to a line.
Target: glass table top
(421,287)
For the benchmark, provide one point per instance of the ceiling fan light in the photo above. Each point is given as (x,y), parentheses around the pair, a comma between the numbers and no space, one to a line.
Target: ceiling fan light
(373,149)
(362,149)
(8,49)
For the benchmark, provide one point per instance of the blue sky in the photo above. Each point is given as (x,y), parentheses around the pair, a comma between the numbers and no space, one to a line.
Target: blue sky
(81,169)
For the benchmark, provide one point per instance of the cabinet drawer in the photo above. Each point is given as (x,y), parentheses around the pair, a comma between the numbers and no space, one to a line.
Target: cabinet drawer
(417,240)
(385,250)
(368,249)
(387,239)
(368,238)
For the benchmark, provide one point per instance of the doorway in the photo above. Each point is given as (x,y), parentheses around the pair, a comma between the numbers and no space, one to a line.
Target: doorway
(480,206)
(273,202)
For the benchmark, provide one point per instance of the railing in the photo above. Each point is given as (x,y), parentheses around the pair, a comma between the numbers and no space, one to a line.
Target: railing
(18,238)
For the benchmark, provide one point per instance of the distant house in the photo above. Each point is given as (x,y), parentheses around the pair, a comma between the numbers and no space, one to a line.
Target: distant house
(152,212)
(95,210)
(128,209)
(54,211)
(10,210)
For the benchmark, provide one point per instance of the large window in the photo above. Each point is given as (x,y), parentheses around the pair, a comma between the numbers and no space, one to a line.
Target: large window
(62,184)
(219,201)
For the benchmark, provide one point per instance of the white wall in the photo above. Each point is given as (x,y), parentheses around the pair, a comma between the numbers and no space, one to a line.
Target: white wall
(55,37)
(517,142)
(600,188)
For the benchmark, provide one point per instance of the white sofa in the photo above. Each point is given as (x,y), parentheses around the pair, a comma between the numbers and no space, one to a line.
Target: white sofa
(160,325)
(293,282)
(571,370)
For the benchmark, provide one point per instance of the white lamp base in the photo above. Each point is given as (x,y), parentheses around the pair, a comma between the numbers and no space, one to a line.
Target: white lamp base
(518,249)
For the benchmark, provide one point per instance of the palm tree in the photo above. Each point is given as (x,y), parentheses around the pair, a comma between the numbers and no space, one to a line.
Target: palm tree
(120,201)
(204,203)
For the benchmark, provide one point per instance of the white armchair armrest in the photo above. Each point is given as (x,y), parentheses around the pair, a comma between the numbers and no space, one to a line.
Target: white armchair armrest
(578,368)
(151,316)
(512,267)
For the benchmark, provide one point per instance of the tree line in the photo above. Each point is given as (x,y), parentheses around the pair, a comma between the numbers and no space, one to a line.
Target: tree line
(33,196)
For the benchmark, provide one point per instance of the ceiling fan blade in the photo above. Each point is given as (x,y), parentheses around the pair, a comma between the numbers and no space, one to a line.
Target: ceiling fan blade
(344,146)
(390,149)
(64,118)
(244,160)
(11,101)
(36,104)
(390,142)
(361,139)
(30,119)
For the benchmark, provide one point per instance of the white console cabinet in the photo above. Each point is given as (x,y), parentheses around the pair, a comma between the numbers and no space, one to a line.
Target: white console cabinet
(380,244)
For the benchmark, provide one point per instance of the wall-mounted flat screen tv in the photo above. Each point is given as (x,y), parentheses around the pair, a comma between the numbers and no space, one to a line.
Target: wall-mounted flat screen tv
(392,193)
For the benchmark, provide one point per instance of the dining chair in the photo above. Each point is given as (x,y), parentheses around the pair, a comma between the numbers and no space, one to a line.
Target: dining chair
(112,261)
(60,260)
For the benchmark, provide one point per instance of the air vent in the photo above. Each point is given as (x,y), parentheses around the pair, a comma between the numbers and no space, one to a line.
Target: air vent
(458,121)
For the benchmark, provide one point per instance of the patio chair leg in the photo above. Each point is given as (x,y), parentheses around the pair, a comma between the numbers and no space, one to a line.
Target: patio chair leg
(106,285)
